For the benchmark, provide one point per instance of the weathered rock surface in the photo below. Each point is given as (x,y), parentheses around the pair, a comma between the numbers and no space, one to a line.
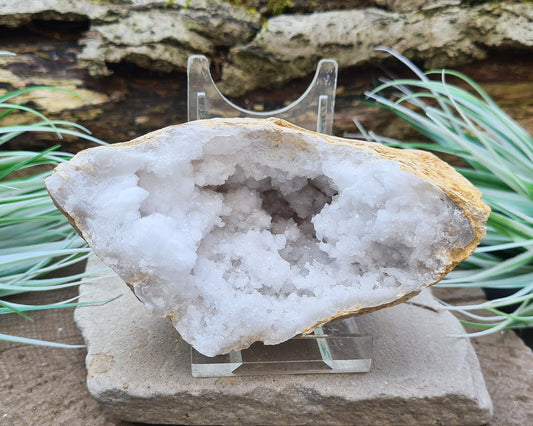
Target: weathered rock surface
(15,14)
(412,5)
(162,39)
(265,51)
(154,34)
(139,370)
(291,45)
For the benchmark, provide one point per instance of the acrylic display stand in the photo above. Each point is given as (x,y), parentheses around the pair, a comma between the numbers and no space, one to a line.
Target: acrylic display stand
(336,347)
(312,111)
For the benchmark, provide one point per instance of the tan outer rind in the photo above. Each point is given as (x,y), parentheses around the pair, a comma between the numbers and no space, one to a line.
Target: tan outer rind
(419,163)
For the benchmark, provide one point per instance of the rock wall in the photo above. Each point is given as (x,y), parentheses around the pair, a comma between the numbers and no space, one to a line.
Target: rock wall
(128,57)
(289,46)
(256,51)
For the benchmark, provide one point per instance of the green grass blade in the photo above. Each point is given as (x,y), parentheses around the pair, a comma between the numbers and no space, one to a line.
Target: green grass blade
(499,154)
(37,342)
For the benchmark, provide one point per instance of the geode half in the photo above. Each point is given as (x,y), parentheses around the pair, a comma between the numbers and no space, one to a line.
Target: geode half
(244,230)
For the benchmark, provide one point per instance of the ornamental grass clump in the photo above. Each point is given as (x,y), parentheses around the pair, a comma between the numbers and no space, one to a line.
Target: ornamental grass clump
(498,154)
(36,240)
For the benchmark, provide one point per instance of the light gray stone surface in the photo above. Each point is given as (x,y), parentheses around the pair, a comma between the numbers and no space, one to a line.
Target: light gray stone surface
(153,34)
(291,45)
(139,370)
(158,37)
(253,51)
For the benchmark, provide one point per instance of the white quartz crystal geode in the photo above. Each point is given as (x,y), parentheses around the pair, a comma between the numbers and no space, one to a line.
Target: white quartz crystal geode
(244,230)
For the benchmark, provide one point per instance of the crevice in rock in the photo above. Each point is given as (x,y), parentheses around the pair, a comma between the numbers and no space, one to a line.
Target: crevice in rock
(127,68)
(219,59)
(69,27)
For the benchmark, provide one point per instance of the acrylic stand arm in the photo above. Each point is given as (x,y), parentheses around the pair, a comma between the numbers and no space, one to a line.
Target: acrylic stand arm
(312,111)
(336,347)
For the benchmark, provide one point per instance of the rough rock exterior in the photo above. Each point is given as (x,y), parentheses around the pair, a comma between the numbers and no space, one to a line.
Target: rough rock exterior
(265,51)
(290,46)
(153,34)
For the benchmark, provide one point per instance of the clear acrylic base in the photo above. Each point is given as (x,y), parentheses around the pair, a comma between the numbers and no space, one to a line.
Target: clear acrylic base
(336,347)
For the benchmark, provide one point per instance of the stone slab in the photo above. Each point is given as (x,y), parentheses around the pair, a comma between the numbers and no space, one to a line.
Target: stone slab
(139,370)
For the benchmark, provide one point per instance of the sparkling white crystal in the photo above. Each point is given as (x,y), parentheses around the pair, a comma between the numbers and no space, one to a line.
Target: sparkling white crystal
(254,236)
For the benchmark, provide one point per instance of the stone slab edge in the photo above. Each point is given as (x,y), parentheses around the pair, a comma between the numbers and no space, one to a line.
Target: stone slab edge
(138,368)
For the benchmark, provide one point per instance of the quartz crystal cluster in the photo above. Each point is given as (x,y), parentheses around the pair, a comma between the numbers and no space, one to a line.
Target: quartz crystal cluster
(244,230)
